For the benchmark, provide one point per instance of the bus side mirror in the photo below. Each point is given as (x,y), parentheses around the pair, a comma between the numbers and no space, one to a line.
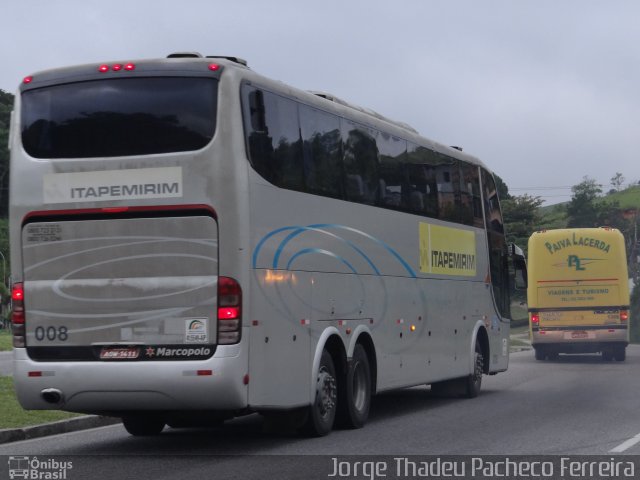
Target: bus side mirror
(519,266)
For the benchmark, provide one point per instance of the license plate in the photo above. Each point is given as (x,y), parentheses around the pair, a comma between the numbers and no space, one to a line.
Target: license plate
(119,353)
(579,335)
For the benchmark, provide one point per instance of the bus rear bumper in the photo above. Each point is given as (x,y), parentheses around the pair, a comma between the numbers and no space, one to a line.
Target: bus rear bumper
(98,387)
(579,340)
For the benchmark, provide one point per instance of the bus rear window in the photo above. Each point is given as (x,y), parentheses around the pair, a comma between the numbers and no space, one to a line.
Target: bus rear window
(119,117)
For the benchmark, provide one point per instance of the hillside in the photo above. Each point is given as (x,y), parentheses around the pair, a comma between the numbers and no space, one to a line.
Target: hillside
(555,216)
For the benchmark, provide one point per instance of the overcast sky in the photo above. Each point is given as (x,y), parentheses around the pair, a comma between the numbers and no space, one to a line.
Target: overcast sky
(545,92)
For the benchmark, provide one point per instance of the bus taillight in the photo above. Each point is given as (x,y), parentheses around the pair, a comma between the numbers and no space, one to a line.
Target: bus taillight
(229,311)
(624,316)
(535,319)
(17,315)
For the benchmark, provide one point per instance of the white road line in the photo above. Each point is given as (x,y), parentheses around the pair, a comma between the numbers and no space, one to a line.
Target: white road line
(626,445)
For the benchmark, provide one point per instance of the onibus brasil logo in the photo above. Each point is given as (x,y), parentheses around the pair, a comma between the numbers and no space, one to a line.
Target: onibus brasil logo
(33,468)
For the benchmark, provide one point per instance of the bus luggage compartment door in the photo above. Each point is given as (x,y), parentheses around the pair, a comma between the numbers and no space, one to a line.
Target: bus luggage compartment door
(121,288)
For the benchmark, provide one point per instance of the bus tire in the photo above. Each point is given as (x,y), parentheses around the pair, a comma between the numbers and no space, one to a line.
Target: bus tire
(322,412)
(540,353)
(607,355)
(620,353)
(354,410)
(143,425)
(473,382)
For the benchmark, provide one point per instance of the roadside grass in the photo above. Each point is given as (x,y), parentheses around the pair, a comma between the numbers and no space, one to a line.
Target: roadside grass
(12,415)
(6,343)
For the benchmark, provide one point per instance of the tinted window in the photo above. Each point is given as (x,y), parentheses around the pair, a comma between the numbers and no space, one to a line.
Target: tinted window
(422,192)
(274,138)
(360,163)
(497,245)
(393,152)
(299,147)
(109,118)
(322,152)
(471,209)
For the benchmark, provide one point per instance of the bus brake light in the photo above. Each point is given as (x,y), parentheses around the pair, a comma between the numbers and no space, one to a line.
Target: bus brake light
(229,311)
(624,316)
(17,315)
(535,319)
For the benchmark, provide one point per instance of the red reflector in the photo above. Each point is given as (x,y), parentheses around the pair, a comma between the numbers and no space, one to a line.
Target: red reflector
(245,379)
(28,79)
(129,67)
(35,374)
(116,68)
(103,68)
(204,373)
(17,318)
(535,318)
(228,313)
(611,330)
(214,67)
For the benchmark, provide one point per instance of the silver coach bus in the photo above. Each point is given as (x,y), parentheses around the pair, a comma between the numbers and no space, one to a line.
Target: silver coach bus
(192,241)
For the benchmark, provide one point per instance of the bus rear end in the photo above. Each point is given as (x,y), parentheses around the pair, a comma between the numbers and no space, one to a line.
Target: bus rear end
(120,305)
(578,292)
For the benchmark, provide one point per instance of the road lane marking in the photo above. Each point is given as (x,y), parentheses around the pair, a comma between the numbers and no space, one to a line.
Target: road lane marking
(626,445)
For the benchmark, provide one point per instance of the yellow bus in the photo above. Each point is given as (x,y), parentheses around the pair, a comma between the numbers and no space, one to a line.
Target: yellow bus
(578,292)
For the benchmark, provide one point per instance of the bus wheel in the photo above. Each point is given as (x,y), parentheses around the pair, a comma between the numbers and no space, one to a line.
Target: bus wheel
(474,381)
(540,353)
(357,399)
(620,353)
(607,355)
(322,412)
(143,425)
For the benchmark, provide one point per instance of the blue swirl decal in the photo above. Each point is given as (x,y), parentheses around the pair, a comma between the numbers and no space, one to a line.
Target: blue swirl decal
(323,228)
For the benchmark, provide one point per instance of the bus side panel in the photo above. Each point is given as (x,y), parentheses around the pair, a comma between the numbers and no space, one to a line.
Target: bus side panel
(280,340)
(336,268)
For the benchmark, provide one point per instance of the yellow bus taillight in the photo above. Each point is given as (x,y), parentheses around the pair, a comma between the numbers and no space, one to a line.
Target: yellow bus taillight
(624,316)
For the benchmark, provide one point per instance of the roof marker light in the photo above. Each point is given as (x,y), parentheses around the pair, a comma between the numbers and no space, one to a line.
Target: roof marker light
(214,67)
(129,67)
(28,79)
(117,67)
(103,68)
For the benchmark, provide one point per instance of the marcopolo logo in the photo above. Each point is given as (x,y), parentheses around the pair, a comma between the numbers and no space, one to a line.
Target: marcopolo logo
(38,469)
(177,352)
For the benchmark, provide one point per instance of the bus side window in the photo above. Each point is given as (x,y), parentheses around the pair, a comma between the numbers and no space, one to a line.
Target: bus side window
(392,151)
(498,253)
(471,206)
(322,151)
(275,149)
(256,112)
(360,160)
(421,190)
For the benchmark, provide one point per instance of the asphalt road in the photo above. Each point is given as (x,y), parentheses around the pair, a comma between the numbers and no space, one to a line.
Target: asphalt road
(573,406)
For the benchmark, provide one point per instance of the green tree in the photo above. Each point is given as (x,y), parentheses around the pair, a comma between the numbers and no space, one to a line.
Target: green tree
(616,181)
(503,190)
(6,104)
(521,217)
(583,210)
